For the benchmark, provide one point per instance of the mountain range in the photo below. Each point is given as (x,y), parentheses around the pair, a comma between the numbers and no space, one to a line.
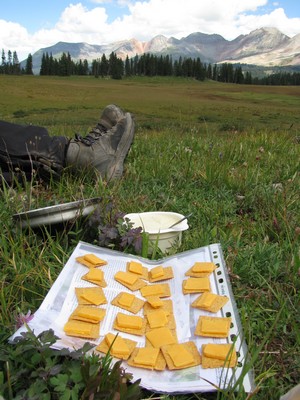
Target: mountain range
(266,47)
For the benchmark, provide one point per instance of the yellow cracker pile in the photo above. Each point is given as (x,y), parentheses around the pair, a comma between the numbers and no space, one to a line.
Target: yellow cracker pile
(213,327)
(91,261)
(117,346)
(160,273)
(128,302)
(210,302)
(201,269)
(85,319)
(162,349)
(218,355)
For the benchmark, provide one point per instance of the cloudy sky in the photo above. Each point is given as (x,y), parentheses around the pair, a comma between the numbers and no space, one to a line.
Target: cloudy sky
(27,26)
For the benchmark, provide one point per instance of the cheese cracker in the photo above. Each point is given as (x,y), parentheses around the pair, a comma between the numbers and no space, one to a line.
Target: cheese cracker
(128,302)
(91,261)
(95,276)
(137,268)
(148,358)
(133,324)
(210,302)
(82,329)
(213,327)
(218,355)
(129,280)
(157,274)
(161,336)
(88,314)
(159,289)
(181,355)
(117,346)
(166,305)
(196,285)
(201,269)
(90,295)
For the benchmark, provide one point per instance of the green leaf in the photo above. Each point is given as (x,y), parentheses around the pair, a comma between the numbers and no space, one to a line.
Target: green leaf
(59,382)
(66,394)
(75,373)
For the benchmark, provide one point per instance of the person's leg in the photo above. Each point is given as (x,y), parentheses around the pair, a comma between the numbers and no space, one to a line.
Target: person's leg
(29,150)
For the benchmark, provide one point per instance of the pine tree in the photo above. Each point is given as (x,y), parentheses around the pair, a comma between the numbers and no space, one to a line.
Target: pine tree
(28,67)
(16,69)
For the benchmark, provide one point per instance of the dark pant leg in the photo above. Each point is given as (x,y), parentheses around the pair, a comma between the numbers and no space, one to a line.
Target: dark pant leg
(30,149)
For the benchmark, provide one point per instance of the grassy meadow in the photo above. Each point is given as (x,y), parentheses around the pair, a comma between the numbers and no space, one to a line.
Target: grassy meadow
(228,154)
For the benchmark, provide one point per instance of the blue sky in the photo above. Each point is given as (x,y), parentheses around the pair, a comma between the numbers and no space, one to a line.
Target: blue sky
(27,26)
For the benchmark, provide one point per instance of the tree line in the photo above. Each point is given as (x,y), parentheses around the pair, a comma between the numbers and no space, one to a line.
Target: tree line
(10,64)
(145,65)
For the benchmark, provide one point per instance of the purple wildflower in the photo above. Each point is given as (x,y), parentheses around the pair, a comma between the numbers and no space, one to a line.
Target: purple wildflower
(22,319)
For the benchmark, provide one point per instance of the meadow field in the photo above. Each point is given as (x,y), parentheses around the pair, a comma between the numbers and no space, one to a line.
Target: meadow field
(228,154)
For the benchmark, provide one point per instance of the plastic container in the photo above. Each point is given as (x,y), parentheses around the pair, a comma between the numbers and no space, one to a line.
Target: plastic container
(157,225)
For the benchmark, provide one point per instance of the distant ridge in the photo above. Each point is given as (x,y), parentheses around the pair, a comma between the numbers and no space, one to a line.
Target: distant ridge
(263,47)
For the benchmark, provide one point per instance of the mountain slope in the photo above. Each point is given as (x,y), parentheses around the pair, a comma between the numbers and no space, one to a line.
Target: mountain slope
(264,47)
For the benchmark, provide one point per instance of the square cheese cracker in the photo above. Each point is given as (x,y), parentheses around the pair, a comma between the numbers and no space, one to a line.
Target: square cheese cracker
(181,355)
(117,346)
(160,318)
(133,324)
(213,326)
(159,273)
(129,280)
(166,305)
(90,295)
(210,302)
(82,329)
(161,337)
(158,289)
(122,300)
(137,268)
(148,358)
(201,269)
(88,314)
(91,261)
(196,285)
(218,355)
(96,276)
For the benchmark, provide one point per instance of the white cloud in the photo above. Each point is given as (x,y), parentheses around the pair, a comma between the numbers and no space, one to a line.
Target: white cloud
(145,19)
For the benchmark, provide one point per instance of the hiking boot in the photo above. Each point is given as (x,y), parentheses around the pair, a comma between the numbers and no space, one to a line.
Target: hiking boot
(104,153)
(121,142)
(110,116)
(108,119)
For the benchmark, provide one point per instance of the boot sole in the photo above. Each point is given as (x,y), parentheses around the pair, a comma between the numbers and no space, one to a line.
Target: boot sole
(115,171)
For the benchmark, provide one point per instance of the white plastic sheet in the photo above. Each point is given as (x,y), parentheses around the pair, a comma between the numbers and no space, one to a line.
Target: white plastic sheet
(61,301)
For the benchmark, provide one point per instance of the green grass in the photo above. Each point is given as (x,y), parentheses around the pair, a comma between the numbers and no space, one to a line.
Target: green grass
(228,154)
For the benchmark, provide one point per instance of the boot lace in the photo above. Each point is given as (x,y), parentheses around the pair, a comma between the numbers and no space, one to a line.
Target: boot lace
(94,134)
(98,130)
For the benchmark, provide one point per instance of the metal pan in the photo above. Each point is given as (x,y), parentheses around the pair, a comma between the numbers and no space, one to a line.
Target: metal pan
(57,214)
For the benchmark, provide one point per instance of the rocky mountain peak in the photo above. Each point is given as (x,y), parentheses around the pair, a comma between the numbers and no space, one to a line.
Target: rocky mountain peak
(264,46)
